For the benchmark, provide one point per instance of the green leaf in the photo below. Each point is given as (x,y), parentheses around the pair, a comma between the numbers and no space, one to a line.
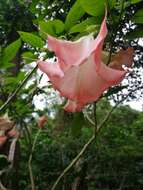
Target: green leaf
(138,17)
(77,124)
(10,51)
(75,13)
(138,20)
(135,1)
(138,33)
(29,57)
(92,28)
(84,25)
(96,7)
(6,65)
(13,81)
(139,13)
(31,39)
(32,6)
(52,27)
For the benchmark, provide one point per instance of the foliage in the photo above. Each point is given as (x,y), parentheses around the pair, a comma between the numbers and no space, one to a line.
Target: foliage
(114,161)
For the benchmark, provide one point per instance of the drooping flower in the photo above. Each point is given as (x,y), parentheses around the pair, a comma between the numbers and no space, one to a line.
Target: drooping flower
(5,125)
(79,74)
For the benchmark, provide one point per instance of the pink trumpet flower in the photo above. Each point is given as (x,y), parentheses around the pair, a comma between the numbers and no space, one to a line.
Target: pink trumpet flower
(79,74)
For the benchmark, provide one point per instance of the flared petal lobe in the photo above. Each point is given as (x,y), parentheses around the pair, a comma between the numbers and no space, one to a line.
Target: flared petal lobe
(74,53)
(51,69)
(114,72)
(71,53)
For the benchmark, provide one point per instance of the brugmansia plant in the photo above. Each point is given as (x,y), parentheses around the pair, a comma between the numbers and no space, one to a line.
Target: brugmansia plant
(79,73)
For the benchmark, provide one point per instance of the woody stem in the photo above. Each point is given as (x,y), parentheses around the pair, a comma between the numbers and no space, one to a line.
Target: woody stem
(73,162)
(93,137)
(30,160)
(98,128)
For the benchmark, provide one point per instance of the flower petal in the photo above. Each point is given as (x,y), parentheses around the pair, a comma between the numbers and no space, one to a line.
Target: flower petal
(111,76)
(82,83)
(114,73)
(71,53)
(74,53)
(51,69)
(79,74)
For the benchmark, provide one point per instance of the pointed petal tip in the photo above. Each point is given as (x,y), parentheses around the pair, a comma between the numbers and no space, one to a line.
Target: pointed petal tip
(51,69)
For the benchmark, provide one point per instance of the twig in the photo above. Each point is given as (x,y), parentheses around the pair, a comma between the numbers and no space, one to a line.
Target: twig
(95,117)
(17,89)
(81,152)
(122,100)
(73,162)
(30,160)
(90,140)
(122,183)
(2,187)
(113,35)
(88,118)
(12,151)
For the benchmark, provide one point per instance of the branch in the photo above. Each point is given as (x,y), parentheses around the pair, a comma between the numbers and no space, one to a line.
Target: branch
(2,187)
(95,117)
(88,118)
(91,139)
(30,160)
(81,152)
(114,32)
(121,101)
(73,162)
(17,89)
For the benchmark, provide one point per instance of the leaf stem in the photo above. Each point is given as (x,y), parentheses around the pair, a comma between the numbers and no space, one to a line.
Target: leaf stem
(2,187)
